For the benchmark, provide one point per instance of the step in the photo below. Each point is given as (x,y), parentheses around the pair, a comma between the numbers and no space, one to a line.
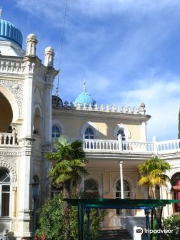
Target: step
(114,234)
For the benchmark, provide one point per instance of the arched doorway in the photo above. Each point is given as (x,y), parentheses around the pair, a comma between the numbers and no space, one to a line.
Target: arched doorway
(6,114)
(175,180)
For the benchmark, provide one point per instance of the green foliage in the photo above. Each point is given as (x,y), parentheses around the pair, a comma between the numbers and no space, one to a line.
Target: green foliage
(51,219)
(96,217)
(172,223)
(68,165)
(153,174)
(73,224)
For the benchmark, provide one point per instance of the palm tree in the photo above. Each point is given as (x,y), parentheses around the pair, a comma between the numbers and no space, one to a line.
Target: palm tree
(153,175)
(68,165)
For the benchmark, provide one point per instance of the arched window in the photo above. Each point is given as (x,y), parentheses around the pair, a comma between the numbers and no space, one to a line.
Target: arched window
(56,132)
(126,189)
(122,134)
(90,185)
(4,192)
(89,133)
(37,122)
(126,193)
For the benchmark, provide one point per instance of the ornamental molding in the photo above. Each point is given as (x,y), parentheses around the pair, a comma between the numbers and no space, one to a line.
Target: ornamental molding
(16,88)
(102,108)
(10,164)
(12,153)
(10,66)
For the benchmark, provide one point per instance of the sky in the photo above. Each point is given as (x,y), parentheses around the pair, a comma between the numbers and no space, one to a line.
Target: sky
(127,51)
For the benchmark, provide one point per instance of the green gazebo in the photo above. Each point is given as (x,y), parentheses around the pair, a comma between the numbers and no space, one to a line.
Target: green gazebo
(150,206)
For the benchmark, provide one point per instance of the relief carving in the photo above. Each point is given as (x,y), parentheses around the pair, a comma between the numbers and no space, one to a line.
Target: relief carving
(10,164)
(16,88)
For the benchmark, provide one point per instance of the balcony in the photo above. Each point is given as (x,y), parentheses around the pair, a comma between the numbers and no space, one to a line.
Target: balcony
(118,146)
(8,139)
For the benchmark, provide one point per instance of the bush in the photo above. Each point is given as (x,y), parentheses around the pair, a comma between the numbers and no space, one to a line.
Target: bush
(52,221)
(172,223)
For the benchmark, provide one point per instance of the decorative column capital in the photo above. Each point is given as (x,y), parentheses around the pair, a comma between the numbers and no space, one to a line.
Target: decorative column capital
(49,57)
(31,45)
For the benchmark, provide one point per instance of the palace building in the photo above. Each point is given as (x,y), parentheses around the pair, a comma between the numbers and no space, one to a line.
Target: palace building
(114,139)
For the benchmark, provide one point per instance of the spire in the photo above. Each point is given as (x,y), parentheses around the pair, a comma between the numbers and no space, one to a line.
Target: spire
(57,87)
(0,12)
(84,85)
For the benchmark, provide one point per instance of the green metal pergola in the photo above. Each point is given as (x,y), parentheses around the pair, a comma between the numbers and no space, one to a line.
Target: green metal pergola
(148,205)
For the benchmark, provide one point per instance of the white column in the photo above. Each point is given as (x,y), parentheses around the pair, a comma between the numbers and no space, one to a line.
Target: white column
(48,113)
(28,106)
(143,132)
(13,202)
(24,184)
(121,179)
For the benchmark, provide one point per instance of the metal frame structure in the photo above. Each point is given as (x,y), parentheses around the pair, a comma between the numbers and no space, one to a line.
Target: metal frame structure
(149,206)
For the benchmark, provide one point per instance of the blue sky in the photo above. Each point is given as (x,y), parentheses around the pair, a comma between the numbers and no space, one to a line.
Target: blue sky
(128,51)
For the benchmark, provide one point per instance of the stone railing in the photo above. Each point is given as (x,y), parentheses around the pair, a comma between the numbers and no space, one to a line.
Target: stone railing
(11,66)
(101,108)
(18,67)
(8,139)
(115,146)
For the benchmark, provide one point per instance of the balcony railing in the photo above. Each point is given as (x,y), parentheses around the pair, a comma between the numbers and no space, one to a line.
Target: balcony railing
(8,139)
(96,145)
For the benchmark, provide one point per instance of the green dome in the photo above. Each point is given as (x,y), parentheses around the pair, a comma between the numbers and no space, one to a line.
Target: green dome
(8,32)
(84,98)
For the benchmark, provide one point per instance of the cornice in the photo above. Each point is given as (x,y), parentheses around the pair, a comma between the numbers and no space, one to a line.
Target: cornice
(105,115)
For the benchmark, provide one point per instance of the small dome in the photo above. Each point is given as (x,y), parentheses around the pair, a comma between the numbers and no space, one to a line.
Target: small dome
(8,32)
(84,97)
(32,36)
(49,49)
(56,101)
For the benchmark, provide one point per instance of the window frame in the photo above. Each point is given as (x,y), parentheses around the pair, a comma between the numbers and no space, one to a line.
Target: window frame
(91,190)
(4,183)
(55,133)
(89,135)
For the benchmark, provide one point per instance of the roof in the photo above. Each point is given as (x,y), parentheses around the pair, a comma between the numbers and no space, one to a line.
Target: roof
(9,32)
(120,203)
(85,98)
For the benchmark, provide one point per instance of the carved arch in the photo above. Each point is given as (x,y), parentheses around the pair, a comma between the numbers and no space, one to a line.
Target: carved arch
(93,126)
(11,169)
(12,100)
(58,123)
(125,128)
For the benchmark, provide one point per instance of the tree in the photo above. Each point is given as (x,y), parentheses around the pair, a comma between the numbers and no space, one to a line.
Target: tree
(153,175)
(68,166)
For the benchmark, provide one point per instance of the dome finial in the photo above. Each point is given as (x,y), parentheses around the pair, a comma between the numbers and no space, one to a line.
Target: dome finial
(84,85)
(57,87)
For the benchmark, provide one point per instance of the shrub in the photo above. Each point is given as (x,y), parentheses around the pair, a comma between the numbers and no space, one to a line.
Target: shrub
(172,223)
(52,221)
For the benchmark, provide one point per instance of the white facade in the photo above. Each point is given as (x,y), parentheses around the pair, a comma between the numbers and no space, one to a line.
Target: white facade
(28,122)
